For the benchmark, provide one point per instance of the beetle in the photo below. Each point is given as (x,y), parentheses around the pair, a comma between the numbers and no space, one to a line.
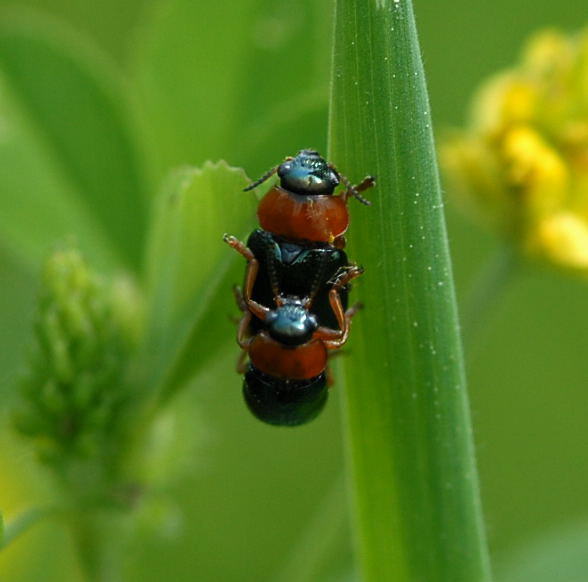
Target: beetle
(286,379)
(296,268)
(303,206)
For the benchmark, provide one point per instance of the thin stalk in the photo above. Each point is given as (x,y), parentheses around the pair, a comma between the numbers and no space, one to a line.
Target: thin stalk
(489,285)
(99,538)
(24,522)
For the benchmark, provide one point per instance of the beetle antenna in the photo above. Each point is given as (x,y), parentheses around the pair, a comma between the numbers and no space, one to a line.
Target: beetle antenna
(272,272)
(316,282)
(261,180)
(355,190)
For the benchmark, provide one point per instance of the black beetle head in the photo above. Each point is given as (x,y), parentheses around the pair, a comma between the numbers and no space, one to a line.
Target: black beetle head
(291,323)
(308,173)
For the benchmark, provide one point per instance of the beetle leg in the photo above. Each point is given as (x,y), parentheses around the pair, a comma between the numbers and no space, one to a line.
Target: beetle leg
(354,309)
(335,338)
(250,276)
(344,276)
(244,338)
(239,300)
(365,184)
(242,363)
(239,246)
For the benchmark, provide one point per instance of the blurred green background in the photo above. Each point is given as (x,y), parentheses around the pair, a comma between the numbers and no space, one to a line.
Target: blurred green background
(249,494)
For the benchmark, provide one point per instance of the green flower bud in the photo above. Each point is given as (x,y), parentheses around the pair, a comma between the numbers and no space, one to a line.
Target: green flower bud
(75,394)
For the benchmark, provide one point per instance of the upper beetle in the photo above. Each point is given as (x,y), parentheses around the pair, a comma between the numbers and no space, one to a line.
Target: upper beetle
(303,206)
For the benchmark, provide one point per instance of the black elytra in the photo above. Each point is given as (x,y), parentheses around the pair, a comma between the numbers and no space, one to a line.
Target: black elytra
(284,402)
(299,270)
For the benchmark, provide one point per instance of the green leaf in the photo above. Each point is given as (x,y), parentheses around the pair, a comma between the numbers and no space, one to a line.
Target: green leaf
(23,523)
(74,106)
(259,85)
(190,274)
(320,537)
(39,206)
(409,432)
(555,555)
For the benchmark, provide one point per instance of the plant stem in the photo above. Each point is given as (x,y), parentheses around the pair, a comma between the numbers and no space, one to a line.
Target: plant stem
(99,538)
(489,285)
(24,522)
(410,446)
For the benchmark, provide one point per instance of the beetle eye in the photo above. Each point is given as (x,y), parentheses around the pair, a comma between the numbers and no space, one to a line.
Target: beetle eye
(271,317)
(284,168)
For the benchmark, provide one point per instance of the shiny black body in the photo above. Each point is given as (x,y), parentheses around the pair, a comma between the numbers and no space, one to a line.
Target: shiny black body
(295,269)
(308,173)
(291,324)
(300,270)
(284,402)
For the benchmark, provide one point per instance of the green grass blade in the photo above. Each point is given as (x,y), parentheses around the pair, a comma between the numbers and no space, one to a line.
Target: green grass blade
(414,475)
(23,523)
(74,102)
(191,270)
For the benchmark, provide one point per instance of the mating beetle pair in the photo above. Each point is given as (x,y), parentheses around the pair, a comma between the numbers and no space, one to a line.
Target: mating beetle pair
(294,299)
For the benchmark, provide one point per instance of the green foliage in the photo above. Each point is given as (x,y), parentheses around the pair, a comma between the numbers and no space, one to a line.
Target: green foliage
(98,374)
(558,554)
(75,392)
(416,491)
(253,111)
(189,270)
(85,144)
(70,152)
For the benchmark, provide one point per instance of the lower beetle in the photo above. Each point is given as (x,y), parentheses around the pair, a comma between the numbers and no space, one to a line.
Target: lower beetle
(286,378)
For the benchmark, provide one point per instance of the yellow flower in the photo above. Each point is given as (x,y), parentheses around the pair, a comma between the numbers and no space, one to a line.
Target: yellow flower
(522,164)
